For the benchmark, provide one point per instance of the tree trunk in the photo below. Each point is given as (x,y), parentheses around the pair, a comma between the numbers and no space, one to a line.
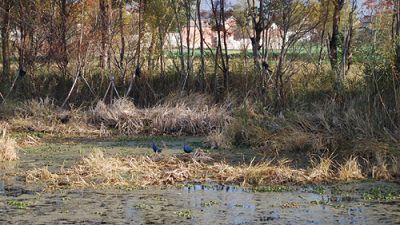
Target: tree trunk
(225,56)
(64,56)
(5,36)
(202,61)
(322,38)
(333,44)
(188,57)
(351,34)
(121,8)
(397,33)
(104,33)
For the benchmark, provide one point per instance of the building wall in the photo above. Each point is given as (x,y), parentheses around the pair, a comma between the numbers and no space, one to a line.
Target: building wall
(236,38)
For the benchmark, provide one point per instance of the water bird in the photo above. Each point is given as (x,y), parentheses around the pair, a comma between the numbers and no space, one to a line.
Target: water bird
(187,148)
(156,149)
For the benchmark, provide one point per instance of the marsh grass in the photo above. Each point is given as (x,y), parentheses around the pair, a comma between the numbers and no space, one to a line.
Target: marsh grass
(98,170)
(350,170)
(322,170)
(43,116)
(8,148)
(195,117)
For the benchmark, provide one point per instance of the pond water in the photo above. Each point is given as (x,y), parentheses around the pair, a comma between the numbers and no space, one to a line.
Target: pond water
(354,203)
(197,204)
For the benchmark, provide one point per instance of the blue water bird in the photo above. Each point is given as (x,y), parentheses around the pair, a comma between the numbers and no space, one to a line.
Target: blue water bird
(187,148)
(156,149)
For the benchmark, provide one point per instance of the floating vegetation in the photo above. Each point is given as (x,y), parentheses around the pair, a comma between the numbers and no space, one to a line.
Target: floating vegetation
(143,206)
(186,213)
(209,203)
(319,202)
(316,189)
(382,193)
(290,205)
(337,191)
(18,204)
(274,188)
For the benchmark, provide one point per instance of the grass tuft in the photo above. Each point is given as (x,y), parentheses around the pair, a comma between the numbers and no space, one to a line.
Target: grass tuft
(8,148)
(322,171)
(350,170)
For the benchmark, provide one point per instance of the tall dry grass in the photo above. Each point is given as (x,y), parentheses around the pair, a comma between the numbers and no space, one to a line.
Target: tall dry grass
(323,169)
(8,148)
(42,115)
(195,117)
(310,130)
(350,170)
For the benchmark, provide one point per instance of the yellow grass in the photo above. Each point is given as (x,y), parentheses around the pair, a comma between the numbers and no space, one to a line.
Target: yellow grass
(322,171)
(43,116)
(381,172)
(180,117)
(350,170)
(98,170)
(8,148)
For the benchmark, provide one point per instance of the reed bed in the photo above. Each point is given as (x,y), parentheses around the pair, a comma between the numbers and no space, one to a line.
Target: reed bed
(43,116)
(98,170)
(198,117)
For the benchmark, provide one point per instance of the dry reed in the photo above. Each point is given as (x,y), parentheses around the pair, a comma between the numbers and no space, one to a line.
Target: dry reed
(196,118)
(8,148)
(350,170)
(323,170)
(97,170)
(43,116)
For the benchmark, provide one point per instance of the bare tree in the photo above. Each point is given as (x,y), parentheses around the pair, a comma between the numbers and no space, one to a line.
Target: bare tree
(333,43)
(121,9)
(5,36)
(260,15)
(188,15)
(221,56)
(201,73)
(294,20)
(63,26)
(325,4)
(348,37)
(104,30)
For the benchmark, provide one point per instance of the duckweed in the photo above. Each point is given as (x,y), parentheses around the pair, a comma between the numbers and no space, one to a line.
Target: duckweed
(274,188)
(18,204)
(186,213)
(142,206)
(208,204)
(382,193)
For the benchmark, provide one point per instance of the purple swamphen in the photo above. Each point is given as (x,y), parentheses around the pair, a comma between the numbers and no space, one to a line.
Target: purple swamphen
(156,149)
(187,148)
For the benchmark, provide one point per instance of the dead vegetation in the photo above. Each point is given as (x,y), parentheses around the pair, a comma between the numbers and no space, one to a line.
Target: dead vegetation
(43,116)
(8,148)
(97,170)
(195,117)
(192,115)
(323,128)
(350,170)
